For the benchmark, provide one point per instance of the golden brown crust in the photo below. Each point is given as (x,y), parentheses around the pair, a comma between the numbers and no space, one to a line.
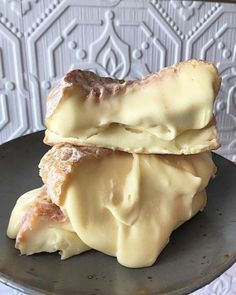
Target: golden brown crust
(43,209)
(94,86)
(58,163)
(99,88)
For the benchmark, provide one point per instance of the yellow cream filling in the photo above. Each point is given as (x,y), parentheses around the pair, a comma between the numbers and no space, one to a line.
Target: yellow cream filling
(44,235)
(127,205)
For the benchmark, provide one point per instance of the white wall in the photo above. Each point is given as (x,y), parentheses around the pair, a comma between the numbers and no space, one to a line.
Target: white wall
(41,39)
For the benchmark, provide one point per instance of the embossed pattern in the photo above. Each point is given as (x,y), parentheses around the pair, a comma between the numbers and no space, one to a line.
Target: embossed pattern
(126,39)
(42,39)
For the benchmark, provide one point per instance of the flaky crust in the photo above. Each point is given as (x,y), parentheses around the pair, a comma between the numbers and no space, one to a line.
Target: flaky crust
(100,88)
(42,208)
(58,163)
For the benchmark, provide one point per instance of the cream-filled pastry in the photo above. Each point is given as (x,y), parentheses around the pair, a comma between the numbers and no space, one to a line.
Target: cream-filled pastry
(38,225)
(126,205)
(169,112)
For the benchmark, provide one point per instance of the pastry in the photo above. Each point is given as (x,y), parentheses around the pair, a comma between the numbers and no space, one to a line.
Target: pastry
(129,164)
(115,200)
(169,112)
(38,225)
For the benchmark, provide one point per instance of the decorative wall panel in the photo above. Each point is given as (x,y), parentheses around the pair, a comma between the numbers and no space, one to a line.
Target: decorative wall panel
(14,98)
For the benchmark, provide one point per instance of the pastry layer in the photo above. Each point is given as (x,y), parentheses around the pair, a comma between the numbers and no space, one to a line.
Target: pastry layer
(38,225)
(122,204)
(170,112)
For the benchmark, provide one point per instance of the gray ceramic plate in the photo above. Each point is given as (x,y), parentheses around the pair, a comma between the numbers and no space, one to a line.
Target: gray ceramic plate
(199,251)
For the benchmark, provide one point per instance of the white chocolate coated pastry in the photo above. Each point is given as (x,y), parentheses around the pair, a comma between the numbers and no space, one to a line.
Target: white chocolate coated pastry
(126,205)
(170,112)
(38,225)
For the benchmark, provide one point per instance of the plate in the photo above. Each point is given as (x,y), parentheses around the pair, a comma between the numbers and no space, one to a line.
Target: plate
(198,252)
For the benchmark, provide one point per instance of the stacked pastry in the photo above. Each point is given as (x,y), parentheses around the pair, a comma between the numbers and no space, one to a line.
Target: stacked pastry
(130,163)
